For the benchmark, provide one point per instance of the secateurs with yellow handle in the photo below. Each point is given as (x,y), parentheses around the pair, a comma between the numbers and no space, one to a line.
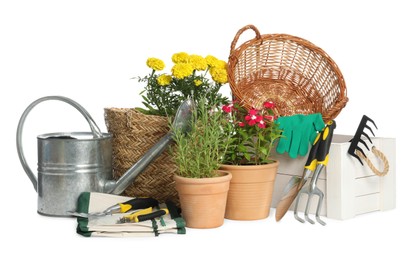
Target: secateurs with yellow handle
(133,204)
(143,215)
(315,166)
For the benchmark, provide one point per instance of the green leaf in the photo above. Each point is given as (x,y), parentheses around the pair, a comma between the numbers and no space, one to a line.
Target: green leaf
(145,99)
(263,150)
(242,148)
(247,156)
(244,135)
(261,137)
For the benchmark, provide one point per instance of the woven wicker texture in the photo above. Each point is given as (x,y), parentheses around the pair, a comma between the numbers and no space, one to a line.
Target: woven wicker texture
(135,133)
(297,75)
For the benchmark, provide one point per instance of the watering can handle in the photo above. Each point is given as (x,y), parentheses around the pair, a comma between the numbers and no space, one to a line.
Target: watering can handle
(95,130)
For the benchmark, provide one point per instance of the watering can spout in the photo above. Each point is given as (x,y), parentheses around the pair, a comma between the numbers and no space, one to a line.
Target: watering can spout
(181,121)
(119,186)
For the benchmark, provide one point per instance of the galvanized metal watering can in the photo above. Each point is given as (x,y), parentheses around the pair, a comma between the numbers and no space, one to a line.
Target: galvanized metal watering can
(70,163)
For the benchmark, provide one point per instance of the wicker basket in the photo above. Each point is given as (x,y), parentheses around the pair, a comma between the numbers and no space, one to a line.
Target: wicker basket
(299,76)
(134,133)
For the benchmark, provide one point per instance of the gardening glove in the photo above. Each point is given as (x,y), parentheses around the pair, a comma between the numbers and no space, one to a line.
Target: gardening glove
(298,132)
(312,124)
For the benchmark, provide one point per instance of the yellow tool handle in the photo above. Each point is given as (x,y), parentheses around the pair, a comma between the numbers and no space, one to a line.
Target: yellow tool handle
(137,203)
(311,162)
(143,215)
(322,155)
(134,216)
(152,215)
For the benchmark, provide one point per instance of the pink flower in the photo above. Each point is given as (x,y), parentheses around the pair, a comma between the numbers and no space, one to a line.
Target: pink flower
(252,112)
(262,124)
(227,108)
(251,122)
(269,104)
(241,124)
(259,118)
(250,119)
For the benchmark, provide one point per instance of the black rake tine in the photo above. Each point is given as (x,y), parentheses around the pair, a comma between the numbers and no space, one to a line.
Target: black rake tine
(370,129)
(372,121)
(359,149)
(359,159)
(364,143)
(369,139)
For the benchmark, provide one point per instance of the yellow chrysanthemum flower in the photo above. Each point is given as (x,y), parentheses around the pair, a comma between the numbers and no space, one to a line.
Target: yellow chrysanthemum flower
(211,60)
(218,75)
(198,62)
(164,80)
(155,64)
(180,57)
(182,70)
(197,82)
(220,64)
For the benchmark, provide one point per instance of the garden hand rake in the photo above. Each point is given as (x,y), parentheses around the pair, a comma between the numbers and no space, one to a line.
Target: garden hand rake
(323,142)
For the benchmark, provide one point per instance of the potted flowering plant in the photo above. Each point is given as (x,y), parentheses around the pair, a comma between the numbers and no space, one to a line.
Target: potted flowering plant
(191,76)
(136,130)
(254,132)
(199,153)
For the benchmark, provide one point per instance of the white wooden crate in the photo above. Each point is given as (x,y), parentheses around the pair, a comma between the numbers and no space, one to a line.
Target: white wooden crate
(350,189)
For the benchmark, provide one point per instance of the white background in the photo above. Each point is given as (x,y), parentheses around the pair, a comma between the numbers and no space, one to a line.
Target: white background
(90,50)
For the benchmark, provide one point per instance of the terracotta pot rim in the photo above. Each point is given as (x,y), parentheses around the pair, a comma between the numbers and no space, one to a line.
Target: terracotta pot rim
(225,176)
(268,165)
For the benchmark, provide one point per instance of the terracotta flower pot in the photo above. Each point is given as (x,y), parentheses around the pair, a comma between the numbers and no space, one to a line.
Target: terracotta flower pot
(251,189)
(203,201)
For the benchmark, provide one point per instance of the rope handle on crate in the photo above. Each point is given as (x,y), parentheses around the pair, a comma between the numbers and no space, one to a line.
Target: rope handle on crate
(245,28)
(379,155)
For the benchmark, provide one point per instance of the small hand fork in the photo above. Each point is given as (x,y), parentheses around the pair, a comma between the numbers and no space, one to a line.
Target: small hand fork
(311,189)
(318,163)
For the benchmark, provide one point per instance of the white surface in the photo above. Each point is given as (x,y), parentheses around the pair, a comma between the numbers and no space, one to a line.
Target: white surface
(89,50)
